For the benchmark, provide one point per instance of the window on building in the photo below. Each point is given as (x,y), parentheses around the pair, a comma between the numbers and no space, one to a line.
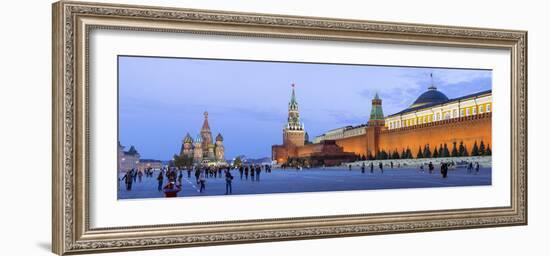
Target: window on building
(488,107)
(454,113)
(481,109)
(467,112)
(438,117)
(424,120)
(474,109)
(447,115)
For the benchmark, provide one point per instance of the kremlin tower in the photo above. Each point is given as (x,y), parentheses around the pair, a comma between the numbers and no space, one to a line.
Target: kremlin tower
(293,133)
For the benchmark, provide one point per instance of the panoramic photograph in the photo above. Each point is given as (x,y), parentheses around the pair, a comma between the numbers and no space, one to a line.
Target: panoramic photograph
(191,127)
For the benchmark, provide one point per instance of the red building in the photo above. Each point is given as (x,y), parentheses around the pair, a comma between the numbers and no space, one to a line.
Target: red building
(433,121)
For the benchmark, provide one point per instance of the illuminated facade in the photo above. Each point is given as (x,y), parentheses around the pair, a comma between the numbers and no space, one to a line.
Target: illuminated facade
(433,120)
(296,145)
(127,160)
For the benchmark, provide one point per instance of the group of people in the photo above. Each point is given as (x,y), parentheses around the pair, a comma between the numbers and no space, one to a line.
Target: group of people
(430,166)
(202,173)
(471,166)
(371,167)
(253,170)
(130,177)
(174,177)
(444,167)
(133,175)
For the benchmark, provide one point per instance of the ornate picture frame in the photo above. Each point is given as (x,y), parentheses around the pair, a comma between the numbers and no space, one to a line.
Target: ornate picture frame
(72,23)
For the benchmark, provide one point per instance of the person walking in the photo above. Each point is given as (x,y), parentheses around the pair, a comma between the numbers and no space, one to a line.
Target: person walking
(202,181)
(252,178)
(444,170)
(349,167)
(430,167)
(258,171)
(128,180)
(160,179)
(197,174)
(371,167)
(241,170)
(477,167)
(391,164)
(246,172)
(140,174)
(381,167)
(188,173)
(228,181)
(180,177)
(363,168)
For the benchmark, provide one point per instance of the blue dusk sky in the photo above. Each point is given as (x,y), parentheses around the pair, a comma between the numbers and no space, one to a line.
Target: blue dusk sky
(161,99)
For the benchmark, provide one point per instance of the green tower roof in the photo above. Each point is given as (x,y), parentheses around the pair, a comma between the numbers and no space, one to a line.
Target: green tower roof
(376,112)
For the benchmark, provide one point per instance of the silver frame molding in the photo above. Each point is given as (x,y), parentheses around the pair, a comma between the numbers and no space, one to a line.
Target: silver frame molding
(72,22)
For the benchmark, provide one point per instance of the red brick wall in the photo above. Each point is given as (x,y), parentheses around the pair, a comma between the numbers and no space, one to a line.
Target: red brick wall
(356,144)
(279,153)
(465,129)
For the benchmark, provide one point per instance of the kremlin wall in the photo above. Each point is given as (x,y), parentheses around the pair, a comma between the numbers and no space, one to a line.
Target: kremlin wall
(466,129)
(433,120)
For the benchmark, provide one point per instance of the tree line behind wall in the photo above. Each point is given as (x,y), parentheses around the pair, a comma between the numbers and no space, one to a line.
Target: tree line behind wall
(442,150)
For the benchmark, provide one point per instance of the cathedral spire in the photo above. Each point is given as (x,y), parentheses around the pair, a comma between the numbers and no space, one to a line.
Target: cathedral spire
(206,134)
(205,125)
